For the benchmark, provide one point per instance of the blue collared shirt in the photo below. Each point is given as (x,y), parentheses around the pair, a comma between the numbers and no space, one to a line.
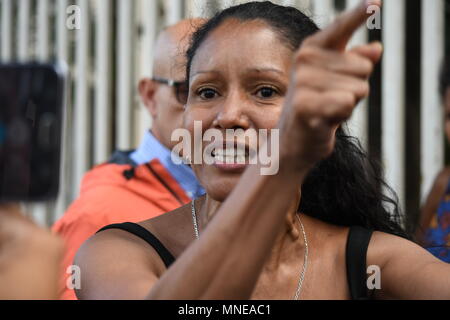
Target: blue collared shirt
(151,148)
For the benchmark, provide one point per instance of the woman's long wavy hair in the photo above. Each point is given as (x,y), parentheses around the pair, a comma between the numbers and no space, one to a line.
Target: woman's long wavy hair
(346,188)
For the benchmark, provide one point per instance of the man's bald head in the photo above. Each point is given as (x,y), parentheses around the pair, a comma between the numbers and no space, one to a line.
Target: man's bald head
(169,63)
(170,54)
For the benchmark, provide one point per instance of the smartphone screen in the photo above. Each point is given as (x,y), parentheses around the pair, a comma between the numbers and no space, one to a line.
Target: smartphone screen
(31,116)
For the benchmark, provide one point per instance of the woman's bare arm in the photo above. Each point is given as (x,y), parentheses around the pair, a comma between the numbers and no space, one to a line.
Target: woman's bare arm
(407,270)
(115,266)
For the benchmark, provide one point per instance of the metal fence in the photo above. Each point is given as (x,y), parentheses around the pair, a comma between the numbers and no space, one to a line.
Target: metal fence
(108,46)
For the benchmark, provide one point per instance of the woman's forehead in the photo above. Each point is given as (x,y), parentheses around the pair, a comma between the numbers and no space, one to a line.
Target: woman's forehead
(253,44)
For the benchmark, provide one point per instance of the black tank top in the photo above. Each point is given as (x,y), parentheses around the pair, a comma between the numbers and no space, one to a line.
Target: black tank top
(355,254)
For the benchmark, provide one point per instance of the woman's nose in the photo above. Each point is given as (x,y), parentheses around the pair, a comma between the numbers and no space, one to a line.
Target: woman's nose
(232,114)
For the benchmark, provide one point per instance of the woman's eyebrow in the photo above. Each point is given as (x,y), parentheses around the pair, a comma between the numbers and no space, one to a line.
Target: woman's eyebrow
(205,71)
(268,69)
(256,69)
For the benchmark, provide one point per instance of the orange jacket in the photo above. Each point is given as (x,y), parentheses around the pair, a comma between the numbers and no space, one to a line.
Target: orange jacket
(112,193)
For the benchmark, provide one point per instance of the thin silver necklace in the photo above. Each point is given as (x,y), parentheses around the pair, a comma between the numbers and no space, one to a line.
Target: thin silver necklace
(305,261)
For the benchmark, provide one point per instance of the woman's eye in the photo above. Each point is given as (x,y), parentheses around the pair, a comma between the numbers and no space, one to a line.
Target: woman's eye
(266,92)
(207,93)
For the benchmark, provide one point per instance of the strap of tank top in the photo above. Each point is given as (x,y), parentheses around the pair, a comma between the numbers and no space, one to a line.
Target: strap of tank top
(147,236)
(356,254)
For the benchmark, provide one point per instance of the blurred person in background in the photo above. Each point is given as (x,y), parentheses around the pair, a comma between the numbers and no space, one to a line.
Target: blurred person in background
(141,184)
(29,258)
(434,228)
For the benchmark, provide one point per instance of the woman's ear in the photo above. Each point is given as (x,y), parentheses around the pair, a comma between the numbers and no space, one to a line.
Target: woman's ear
(147,90)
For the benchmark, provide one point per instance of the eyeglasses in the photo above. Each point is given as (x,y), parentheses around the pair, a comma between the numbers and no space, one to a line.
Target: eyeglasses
(181,88)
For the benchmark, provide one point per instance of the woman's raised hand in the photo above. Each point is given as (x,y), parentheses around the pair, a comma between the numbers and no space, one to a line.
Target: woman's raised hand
(326,85)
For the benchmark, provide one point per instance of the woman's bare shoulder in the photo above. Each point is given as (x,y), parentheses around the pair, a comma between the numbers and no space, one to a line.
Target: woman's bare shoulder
(406,270)
(115,257)
(385,249)
(107,256)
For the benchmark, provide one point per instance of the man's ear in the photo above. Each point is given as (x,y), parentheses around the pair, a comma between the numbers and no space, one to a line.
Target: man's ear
(147,89)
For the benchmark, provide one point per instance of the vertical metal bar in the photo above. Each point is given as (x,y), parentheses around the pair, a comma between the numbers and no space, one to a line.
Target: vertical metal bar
(393,100)
(61,30)
(62,55)
(359,122)
(149,22)
(82,102)
(226,4)
(43,212)
(196,8)
(6,31)
(174,11)
(432,150)
(305,4)
(323,12)
(124,76)
(42,26)
(103,111)
(306,7)
(290,3)
(23,30)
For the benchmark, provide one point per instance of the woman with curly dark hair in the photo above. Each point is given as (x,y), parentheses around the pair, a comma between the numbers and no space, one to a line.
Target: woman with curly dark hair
(263,66)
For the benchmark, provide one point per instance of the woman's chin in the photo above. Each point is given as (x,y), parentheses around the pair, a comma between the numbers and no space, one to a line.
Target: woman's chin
(219,190)
(218,183)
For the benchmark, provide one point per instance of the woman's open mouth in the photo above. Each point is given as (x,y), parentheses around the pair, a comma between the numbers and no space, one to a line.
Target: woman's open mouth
(231,156)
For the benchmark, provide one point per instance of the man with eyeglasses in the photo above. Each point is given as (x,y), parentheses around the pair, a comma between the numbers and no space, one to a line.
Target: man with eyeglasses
(140,184)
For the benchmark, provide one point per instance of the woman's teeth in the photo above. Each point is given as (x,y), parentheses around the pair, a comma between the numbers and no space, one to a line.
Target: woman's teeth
(230,156)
